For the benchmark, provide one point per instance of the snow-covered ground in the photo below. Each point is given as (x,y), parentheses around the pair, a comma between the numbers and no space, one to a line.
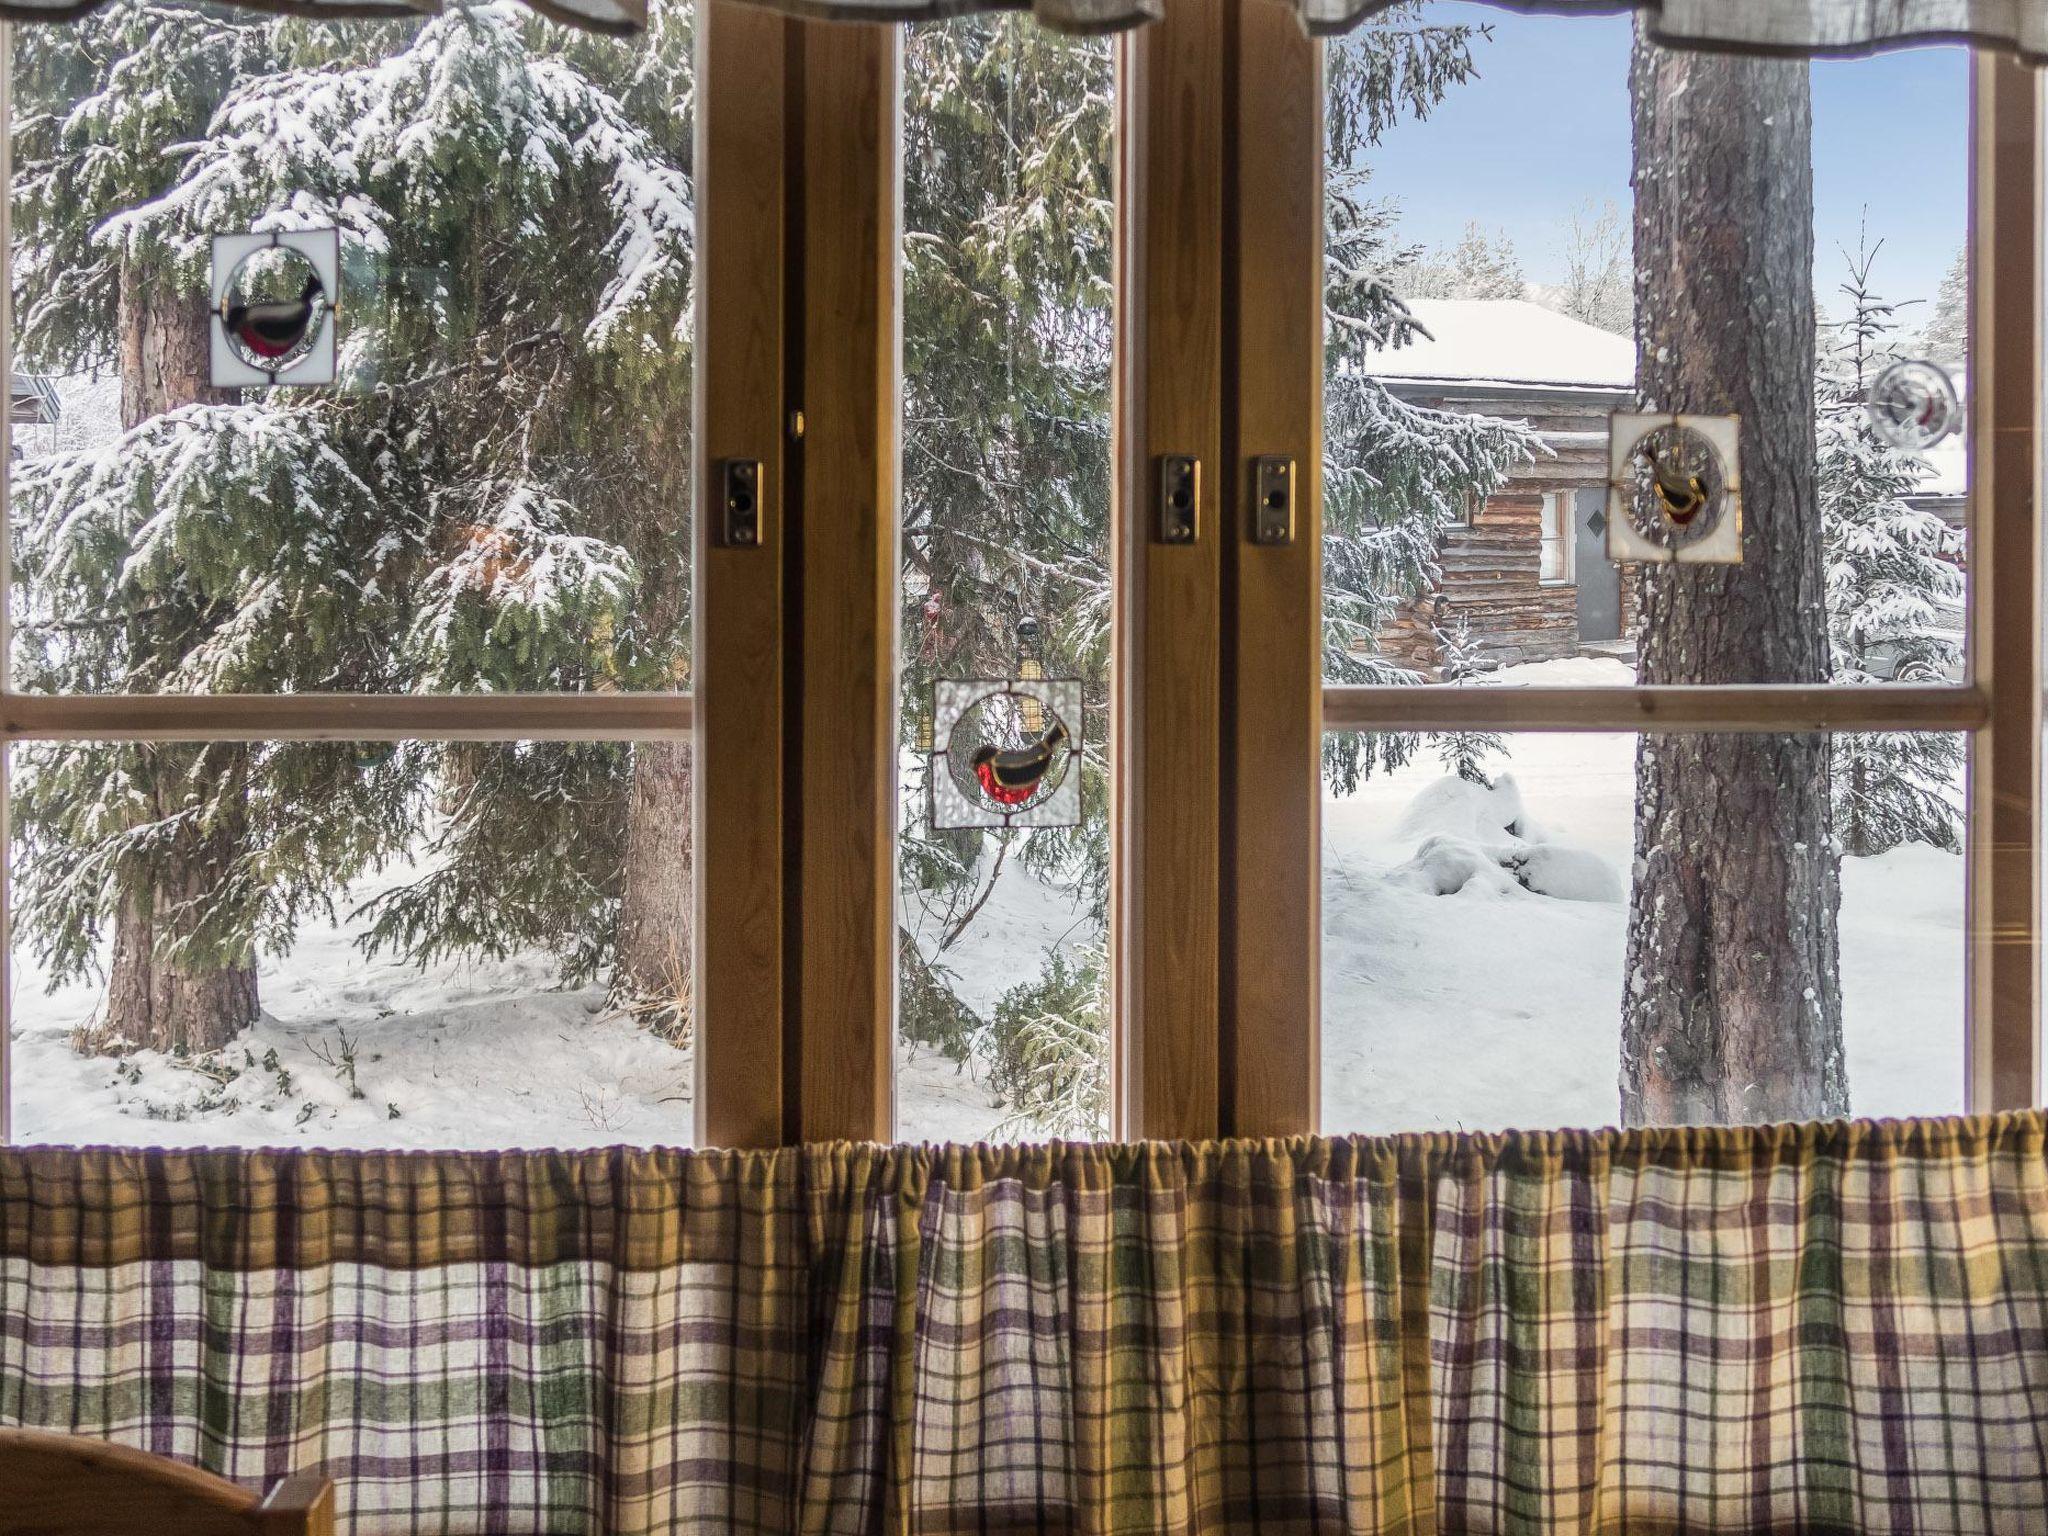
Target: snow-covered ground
(1491,1006)
(482,1055)
(1498,1007)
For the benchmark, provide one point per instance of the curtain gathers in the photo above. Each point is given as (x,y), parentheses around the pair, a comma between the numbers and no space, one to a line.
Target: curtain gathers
(1837,1327)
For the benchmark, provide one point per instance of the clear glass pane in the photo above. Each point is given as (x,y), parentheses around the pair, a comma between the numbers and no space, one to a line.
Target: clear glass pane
(1003,880)
(379,944)
(493,492)
(1508,920)
(1488,265)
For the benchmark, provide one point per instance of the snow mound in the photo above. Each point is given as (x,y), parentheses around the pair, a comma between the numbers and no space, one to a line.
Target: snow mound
(1566,873)
(1445,865)
(1455,807)
(1483,833)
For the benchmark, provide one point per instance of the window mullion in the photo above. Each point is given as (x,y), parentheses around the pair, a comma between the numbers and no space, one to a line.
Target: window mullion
(1272,835)
(1166,868)
(840,795)
(744,94)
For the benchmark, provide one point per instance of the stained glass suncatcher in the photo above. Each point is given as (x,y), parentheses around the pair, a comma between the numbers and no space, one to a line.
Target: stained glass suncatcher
(274,296)
(1674,490)
(1006,752)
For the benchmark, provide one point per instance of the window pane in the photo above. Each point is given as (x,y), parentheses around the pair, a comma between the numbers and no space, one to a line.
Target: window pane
(1507,923)
(351,944)
(1005,585)
(492,494)
(1482,329)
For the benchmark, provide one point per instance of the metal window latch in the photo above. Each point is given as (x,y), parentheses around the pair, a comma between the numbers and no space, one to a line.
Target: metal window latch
(1180,498)
(1273,504)
(740,523)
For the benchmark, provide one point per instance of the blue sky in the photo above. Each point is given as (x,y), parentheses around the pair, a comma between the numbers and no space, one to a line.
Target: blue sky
(1546,128)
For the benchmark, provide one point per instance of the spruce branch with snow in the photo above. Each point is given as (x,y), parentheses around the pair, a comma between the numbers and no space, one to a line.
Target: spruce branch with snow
(1893,578)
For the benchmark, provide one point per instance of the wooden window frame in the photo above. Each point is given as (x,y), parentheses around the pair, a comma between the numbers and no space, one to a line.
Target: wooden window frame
(1219,703)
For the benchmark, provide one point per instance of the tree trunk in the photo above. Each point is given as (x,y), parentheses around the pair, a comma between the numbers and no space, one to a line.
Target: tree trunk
(654,965)
(1732,1006)
(153,998)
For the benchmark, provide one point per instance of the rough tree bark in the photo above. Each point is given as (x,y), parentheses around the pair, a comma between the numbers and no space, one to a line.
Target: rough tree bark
(653,975)
(154,999)
(654,964)
(1731,1009)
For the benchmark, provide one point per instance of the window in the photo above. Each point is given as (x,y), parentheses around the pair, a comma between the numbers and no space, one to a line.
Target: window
(1719,920)
(1003,970)
(240,923)
(404,761)
(1554,561)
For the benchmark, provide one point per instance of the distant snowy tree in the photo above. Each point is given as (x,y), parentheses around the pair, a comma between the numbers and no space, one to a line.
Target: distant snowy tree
(1891,570)
(1599,277)
(1479,266)
(515,209)
(1946,338)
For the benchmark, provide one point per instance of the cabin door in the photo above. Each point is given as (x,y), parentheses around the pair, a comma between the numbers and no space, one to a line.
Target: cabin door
(1598,579)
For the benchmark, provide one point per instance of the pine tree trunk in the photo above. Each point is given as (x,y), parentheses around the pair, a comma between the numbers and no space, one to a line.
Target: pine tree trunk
(154,999)
(655,914)
(1732,1007)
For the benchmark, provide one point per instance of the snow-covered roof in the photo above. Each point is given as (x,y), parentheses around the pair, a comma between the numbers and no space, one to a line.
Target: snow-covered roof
(1509,341)
(1949,461)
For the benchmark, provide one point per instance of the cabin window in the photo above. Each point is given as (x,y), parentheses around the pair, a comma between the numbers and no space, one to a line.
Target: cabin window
(1604,859)
(432,765)
(1554,558)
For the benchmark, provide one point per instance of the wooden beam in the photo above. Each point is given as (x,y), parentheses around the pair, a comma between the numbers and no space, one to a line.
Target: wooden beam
(1272,952)
(1776,708)
(346,717)
(2003,1032)
(743,99)
(841,797)
(1166,872)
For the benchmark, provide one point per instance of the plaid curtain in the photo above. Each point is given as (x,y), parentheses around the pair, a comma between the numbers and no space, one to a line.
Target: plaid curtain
(1814,1328)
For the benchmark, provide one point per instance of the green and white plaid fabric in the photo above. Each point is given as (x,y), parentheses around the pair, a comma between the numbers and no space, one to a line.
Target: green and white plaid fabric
(1827,1328)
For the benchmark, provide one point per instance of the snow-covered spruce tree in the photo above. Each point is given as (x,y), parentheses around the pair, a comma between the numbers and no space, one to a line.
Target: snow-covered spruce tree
(1479,266)
(1396,476)
(1946,337)
(201,552)
(1891,567)
(525,229)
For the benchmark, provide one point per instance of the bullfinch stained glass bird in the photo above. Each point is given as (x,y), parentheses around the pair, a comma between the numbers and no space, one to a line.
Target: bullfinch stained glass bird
(272,328)
(1011,775)
(1681,495)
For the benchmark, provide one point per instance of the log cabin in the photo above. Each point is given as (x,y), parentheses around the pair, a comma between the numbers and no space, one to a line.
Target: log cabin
(1526,577)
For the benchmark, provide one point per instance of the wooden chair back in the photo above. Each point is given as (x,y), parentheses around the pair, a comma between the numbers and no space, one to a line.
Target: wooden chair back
(70,1485)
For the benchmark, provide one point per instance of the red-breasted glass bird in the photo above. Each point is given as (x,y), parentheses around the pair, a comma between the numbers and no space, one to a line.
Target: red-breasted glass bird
(1010,775)
(273,327)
